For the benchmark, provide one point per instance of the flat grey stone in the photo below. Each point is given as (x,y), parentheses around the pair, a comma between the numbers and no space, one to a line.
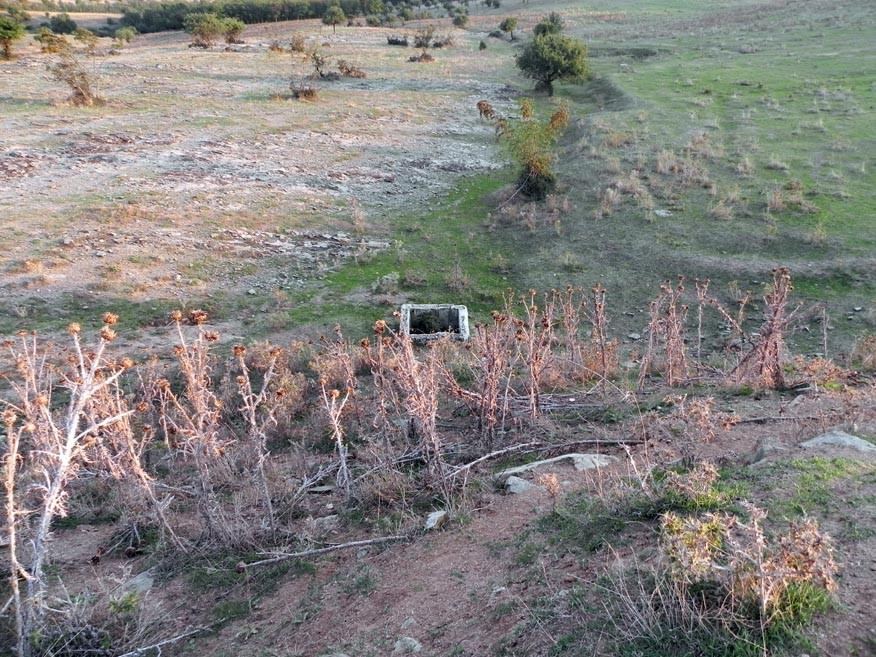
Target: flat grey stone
(837,438)
(407,645)
(516,485)
(767,447)
(435,519)
(580,461)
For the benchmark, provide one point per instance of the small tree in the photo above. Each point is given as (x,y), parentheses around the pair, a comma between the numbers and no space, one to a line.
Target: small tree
(552,24)
(62,24)
(10,30)
(531,142)
(334,16)
(205,28)
(124,36)
(553,57)
(460,20)
(233,28)
(509,25)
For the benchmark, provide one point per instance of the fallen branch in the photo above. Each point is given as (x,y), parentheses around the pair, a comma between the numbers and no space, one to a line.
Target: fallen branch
(539,446)
(139,652)
(777,418)
(285,556)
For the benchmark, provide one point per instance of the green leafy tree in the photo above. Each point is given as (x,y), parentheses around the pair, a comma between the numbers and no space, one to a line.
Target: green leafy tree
(10,30)
(62,24)
(334,16)
(509,25)
(553,57)
(205,28)
(124,36)
(552,24)
(233,28)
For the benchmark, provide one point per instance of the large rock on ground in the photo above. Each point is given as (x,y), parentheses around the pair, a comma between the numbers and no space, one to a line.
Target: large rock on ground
(837,438)
(516,485)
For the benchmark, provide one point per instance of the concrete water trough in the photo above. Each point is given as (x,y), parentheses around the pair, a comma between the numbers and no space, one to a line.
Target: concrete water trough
(425,322)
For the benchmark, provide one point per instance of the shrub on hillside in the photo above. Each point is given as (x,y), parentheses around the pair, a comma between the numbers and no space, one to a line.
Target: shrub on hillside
(10,30)
(205,28)
(552,24)
(62,24)
(232,29)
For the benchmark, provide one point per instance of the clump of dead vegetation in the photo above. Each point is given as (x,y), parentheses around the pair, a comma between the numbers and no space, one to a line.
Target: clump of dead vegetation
(215,449)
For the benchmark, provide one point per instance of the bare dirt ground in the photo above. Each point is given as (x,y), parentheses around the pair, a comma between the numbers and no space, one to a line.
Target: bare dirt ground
(152,195)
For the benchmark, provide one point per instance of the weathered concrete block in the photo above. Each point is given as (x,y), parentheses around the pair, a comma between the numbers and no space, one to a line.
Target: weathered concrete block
(424,322)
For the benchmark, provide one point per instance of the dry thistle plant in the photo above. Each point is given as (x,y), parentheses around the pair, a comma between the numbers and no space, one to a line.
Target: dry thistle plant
(763,364)
(667,329)
(61,432)
(535,334)
(191,422)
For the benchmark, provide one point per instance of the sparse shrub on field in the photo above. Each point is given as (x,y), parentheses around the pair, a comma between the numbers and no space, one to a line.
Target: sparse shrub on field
(50,42)
(62,24)
(232,28)
(423,57)
(347,70)
(460,20)
(508,26)
(205,28)
(553,57)
(397,41)
(482,45)
(443,42)
(297,43)
(552,24)
(68,69)
(423,37)
(11,30)
(123,36)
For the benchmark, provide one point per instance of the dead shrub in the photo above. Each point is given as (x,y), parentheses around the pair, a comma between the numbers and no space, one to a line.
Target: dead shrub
(864,353)
(423,57)
(666,333)
(69,70)
(297,43)
(349,71)
(764,363)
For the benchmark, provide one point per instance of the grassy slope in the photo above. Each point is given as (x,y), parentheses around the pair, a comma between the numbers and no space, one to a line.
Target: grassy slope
(803,98)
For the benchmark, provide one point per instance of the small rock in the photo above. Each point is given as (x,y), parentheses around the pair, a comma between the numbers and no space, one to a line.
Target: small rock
(837,438)
(320,490)
(634,336)
(767,447)
(410,621)
(325,524)
(516,485)
(140,584)
(251,291)
(435,519)
(407,645)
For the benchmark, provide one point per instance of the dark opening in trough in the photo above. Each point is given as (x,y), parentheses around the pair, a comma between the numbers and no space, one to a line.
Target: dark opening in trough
(424,322)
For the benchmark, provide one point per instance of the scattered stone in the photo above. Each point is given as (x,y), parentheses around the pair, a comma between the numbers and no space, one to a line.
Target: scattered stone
(634,336)
(767,447)
(435,519)
(139,584)
(407,645)
(326,523)
(580,461)
(837,438)
(321,490)
(516,485)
